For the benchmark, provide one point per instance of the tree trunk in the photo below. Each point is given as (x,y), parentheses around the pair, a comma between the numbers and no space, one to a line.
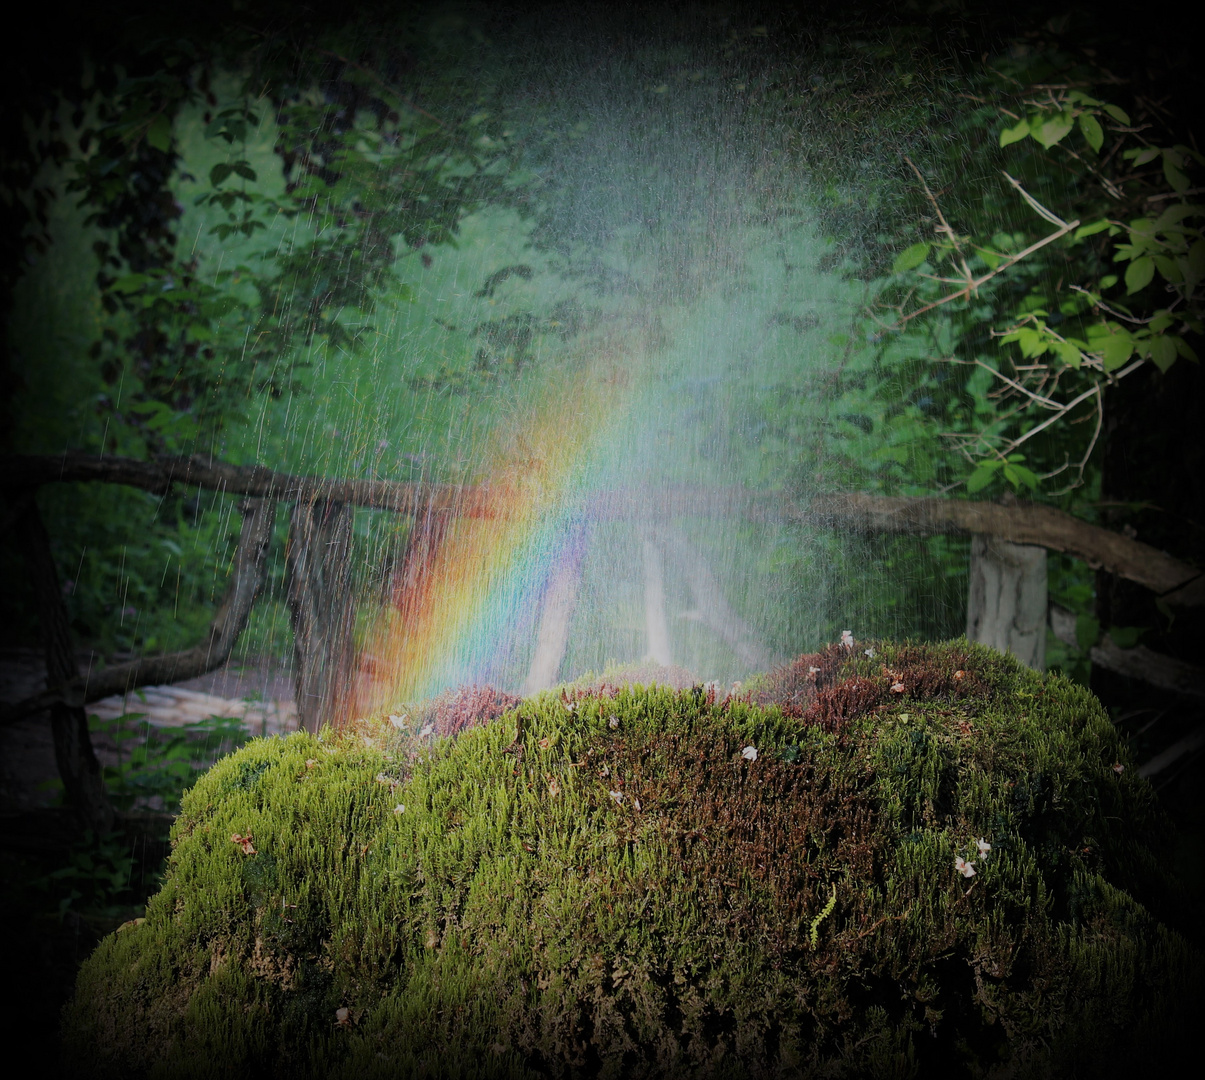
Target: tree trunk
(560,597)
(654,604)
(321,601)
(1006,602)
(711,606)
(83,782)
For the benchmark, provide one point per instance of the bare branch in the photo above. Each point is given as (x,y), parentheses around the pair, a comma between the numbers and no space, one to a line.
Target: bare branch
(228,623)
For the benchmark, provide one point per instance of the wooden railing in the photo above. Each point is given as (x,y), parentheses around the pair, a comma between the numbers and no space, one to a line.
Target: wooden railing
(320,580)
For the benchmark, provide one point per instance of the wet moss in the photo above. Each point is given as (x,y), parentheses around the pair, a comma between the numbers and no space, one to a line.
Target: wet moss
(610,882)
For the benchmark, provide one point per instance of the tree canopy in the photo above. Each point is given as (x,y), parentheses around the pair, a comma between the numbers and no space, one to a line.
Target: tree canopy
(428,211)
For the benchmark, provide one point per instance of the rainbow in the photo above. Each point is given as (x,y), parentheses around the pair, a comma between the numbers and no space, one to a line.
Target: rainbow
(467,603)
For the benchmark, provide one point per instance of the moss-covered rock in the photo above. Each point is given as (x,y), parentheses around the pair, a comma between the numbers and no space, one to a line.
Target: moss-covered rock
(643,882)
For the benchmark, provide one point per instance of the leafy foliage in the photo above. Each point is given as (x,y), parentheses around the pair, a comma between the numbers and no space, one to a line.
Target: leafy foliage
(958,301)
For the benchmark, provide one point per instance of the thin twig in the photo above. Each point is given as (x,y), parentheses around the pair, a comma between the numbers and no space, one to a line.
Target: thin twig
(1047,402)
(1011,261)
(1097,302)
(945,225)
(1036,206)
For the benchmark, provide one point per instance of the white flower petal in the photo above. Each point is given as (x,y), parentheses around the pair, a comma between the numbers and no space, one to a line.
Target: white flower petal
(749,753)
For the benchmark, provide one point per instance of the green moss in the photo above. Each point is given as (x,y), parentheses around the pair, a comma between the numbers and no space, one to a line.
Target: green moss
(616,889)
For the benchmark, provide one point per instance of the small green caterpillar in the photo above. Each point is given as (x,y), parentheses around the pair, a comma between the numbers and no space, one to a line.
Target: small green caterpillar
(828,910)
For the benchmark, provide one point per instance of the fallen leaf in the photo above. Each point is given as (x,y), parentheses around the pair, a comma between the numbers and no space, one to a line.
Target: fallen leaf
(244,842)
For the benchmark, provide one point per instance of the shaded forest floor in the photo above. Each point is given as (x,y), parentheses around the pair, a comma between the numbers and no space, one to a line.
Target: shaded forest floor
(61,893)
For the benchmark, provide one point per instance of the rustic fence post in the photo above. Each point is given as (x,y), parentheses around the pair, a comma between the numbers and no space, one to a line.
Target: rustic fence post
(654,602)
(321,602)
(1006,601)
(83,781)
(560,598)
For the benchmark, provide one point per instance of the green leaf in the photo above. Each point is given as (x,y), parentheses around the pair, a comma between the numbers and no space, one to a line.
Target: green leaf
(1113,342)
(1068,353)
(1160,321)
(991,259)
(1091,230)
(244,170)
(910,258)
(1175,176)
(219,173)
(1118,114)
(1054,129)
(1168,268)
(159,134)
(1018,475)
(1032,342)
(982,476)
(1126,637)
(1108,281)
(1014,134)
(1090,127)
(1087,631)
(1183,348)
(1142,157)
(1162,351)
(130,283)
(1139,274)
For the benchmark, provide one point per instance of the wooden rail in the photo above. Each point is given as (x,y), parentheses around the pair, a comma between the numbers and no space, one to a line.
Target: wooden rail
(319,576)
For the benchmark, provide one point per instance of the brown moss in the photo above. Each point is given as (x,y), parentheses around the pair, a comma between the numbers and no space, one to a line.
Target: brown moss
(833,687)
(467,706)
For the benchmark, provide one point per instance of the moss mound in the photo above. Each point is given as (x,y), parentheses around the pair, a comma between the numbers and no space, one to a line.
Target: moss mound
(643,882)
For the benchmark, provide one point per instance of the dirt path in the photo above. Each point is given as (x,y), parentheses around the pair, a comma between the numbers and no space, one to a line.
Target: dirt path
(260,693)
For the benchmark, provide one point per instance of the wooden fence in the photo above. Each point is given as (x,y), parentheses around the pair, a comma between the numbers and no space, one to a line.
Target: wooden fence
(1010,539)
